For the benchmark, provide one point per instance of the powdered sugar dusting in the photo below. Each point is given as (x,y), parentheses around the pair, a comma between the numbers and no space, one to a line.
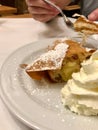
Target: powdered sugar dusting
(51,60)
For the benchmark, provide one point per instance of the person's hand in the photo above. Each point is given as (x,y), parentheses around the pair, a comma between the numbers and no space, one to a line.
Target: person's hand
(43,12)
(94,15)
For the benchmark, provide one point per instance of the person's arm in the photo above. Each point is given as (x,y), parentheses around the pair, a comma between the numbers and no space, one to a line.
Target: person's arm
(94,15)
(43,12)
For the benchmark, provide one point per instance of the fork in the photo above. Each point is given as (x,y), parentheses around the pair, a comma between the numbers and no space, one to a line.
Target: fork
(67,21)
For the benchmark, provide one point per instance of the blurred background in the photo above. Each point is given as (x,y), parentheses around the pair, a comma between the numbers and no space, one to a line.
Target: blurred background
(17,7)
(19,4)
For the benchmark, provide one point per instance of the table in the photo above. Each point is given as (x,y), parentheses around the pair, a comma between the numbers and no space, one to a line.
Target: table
(72,7)
(25,15)
(6,10)
(15,33)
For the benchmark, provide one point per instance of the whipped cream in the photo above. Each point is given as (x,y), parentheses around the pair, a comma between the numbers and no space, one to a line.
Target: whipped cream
(80,93)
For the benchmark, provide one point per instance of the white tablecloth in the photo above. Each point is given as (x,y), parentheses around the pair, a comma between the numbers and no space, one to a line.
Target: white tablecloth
(15,33)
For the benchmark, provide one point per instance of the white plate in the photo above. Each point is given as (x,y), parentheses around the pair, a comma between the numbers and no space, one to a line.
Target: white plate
(37,104)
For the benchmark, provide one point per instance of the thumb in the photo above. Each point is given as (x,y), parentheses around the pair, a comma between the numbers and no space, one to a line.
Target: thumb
(94,15)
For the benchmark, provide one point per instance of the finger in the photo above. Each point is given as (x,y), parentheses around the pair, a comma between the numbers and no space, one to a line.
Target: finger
(94,15)
(39,3)
(40,10)
(43,17)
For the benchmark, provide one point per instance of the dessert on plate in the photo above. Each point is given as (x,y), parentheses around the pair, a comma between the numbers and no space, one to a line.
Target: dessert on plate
(80,94)
(83,25)
(62,59)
